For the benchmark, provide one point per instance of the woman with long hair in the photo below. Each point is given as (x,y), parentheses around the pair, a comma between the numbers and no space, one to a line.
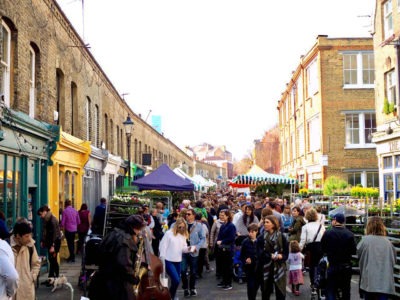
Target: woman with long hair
(172,245)
(377,257)
(247,218)
(273,251)
(225,242)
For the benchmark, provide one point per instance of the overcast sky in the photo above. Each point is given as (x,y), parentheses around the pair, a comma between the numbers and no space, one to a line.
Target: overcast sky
(213,70)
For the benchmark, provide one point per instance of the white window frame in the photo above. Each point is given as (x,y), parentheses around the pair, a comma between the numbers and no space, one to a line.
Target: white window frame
(388,19)
(293,99)
(359,69)
(293,142)
(5,64)
(314,134)
(363,142)
(312,78)
(391,86)
(300,136)
(299,85)
(32,80)
(88,119)
(96,126)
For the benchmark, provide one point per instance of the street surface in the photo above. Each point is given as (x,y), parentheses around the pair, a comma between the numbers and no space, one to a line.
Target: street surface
(206,287)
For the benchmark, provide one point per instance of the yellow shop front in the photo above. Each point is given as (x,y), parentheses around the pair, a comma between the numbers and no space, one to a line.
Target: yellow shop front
(66,173)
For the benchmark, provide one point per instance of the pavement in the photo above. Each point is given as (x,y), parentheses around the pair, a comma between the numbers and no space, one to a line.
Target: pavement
(206,287)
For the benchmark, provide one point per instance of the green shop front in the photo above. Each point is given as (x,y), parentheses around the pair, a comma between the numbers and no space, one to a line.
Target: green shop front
(25,147)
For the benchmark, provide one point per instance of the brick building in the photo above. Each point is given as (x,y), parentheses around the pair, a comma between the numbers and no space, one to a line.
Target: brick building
(327,114)
(386,36)
(62,134)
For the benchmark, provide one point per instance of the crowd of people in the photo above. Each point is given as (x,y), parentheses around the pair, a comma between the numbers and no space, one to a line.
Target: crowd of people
(278,243)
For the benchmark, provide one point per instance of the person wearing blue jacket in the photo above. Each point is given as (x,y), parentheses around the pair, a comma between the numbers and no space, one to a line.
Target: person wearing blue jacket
(197,238)
(224,247)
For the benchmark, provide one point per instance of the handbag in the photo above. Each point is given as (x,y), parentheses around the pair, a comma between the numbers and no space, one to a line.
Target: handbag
(312,251)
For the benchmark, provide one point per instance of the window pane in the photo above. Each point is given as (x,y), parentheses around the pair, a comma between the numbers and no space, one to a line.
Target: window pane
(387,162)
(388,183)
(372,179)
(370,126)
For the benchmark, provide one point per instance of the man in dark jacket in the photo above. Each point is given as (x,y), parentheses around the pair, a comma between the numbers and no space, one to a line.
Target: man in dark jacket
(118,254)
(51,238)
(339,245)
(99,217)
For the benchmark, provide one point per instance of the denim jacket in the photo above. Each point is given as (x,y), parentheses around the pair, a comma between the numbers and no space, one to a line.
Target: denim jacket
(197,237)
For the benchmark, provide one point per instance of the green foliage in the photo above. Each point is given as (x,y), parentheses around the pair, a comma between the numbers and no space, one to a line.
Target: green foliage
(388,107)
(334,184)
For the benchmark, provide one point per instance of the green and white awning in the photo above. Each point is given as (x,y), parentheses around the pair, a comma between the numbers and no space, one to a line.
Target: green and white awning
(257,176)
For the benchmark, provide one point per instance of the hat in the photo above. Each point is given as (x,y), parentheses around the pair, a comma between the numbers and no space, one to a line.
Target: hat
(135,221)
(339,218)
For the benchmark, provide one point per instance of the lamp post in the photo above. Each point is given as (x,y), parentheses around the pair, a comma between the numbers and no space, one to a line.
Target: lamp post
(128,124)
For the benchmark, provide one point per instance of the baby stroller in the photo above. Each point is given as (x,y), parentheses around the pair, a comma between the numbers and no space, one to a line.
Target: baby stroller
(320,280)
(90,260)
(238,273)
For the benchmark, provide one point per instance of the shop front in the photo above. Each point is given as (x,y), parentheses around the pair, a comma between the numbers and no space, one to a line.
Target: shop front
(25,148)
(388,152)
(92,179)
(67,171)
(111,173)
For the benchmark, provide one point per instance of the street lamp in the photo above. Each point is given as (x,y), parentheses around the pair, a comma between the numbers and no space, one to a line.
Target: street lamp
(128,124)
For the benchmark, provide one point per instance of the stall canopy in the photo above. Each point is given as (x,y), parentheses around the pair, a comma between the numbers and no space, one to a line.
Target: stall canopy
(257,176)
(164,179)
(348,211)
(182,174)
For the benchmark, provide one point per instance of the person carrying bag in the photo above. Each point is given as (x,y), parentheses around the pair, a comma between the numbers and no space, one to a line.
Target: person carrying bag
(310,242)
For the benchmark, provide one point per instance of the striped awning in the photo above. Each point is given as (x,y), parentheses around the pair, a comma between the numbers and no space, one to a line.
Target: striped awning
(257,177)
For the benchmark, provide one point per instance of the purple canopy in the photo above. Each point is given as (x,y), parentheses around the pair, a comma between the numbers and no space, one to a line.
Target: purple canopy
(163,179)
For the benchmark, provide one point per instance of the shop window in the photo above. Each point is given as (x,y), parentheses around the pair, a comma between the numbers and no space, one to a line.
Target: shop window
(388,186)
(354,178)
(372,179)
(388,162)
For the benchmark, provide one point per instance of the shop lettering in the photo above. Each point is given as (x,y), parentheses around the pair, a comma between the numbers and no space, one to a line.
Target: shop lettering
(394,146)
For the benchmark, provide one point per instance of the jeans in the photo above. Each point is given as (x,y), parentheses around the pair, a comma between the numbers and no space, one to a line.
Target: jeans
(339,277)
(253,284)
(190,262)
(268,288)
(70,237)
(173,270)
(54,268)
(226,259)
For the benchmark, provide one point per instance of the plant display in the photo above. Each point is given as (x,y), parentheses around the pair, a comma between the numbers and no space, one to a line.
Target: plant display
(361,192)
(334,184)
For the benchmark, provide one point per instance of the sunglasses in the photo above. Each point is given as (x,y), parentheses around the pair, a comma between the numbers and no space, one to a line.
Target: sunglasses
(181,227)
(189,214)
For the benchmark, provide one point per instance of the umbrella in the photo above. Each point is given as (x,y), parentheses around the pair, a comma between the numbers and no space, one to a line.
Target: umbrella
(348,211)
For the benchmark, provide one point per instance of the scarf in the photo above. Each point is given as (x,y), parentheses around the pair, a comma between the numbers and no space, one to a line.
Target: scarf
(273,244)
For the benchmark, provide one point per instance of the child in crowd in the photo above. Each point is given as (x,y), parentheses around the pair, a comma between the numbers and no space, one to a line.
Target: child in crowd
(295,262)
(248,256)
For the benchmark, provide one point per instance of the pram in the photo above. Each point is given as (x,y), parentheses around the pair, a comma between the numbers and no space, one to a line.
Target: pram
(320,280)
(90,260)
(238,274)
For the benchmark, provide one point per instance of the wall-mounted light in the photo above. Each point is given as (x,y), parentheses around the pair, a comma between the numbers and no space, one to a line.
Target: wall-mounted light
(389,130)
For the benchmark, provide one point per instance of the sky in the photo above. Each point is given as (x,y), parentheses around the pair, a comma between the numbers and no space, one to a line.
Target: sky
(214,70)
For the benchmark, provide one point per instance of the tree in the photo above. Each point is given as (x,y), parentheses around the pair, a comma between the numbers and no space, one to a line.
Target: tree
(266,151)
